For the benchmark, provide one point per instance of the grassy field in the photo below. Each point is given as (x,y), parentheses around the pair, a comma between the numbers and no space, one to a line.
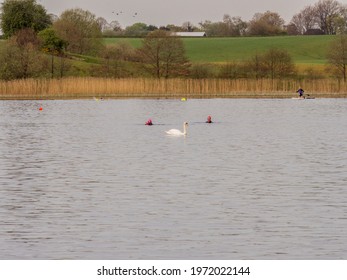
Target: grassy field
(307,50)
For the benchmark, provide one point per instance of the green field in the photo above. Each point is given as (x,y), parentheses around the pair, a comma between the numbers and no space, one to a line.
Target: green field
(303,49)
(308,52)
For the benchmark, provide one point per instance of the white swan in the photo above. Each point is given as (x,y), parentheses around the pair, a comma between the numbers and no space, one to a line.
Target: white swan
(178,132)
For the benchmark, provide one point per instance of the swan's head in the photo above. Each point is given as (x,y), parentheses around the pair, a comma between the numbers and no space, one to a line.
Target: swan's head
(185,123)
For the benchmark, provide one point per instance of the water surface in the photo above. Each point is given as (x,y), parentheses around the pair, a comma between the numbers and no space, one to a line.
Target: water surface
(88,180)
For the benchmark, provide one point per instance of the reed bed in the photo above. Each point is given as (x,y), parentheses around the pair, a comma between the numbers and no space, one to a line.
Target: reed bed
(74,88)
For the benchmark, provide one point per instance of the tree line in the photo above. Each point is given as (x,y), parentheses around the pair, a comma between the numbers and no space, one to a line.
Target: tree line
(39,45)
(323,17)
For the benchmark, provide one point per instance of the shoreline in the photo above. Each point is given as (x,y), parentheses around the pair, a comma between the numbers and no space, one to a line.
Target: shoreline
(241,96)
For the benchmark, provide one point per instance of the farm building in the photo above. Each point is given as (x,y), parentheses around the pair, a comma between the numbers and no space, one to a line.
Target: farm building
(189,34)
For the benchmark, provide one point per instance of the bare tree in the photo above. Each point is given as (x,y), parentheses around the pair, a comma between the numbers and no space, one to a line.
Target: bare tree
(103,24)
(188,26)
(234,25)
(326,12)
(115,26)
(240,26)
(304,20)
(337,56)
(255,67)
(275,63)
(112,66)
(115,58)
(278,63)
(163,55)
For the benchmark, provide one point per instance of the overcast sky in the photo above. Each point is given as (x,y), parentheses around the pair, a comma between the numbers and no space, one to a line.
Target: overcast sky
(163,12)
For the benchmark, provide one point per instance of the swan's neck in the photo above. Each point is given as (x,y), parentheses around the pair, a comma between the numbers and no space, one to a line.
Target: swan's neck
(184,129)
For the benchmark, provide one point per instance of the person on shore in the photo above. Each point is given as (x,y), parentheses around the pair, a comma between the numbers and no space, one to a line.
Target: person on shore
(301,92)
(209,119)
(149,122)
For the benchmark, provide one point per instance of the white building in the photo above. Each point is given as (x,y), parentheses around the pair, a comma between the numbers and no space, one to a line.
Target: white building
(189,34)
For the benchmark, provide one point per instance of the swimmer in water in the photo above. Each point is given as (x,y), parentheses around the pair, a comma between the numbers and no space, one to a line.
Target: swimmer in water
(209,119)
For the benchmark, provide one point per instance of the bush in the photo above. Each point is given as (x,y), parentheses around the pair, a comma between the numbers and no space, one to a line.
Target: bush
(202,71)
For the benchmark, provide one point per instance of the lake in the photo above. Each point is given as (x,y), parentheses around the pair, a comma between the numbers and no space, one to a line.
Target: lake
(86,179)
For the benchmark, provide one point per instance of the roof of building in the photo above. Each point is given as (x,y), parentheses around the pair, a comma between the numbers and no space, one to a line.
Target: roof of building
(190,34)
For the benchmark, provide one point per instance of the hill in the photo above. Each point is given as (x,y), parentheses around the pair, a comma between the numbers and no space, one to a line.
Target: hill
(308,52)
(303,49)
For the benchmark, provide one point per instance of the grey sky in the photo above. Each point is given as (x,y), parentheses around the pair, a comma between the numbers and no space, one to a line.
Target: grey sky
(163,12)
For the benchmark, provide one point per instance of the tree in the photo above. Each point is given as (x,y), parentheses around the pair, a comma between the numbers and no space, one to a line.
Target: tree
(337,56)
(22,14)
(112,64)
(255,66)
(51,41)
(240,26)
(115,60)
(52,45)
(188,26)
(115,26)
(268,23)
(103,24)
(172,28)
(214,29)
(81,30)
(138,29)
(53,17)
(275,63)
(292,29)
(341,22)
(326,11)
(20,57)
(230,26)
(304,20)
(340,25)
(125,51)
(278,63)
(233,70)
(202,71)
(163,55)
(234,25)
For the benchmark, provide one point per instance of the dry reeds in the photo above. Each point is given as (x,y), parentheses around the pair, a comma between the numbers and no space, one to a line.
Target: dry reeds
(71,88)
